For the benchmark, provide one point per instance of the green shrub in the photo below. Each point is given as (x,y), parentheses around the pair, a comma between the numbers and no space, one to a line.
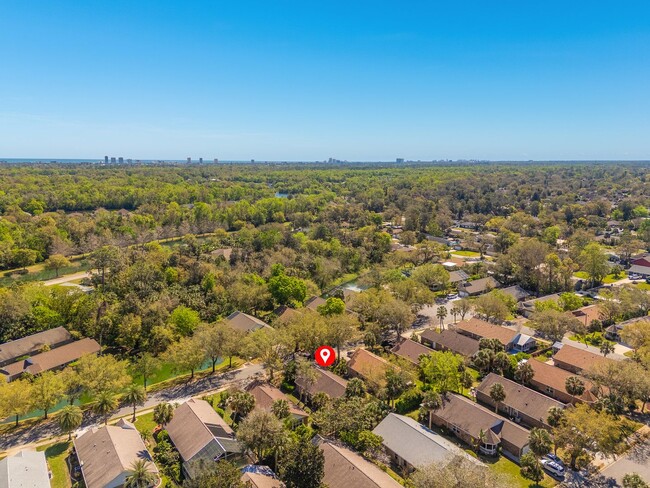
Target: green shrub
(408,402)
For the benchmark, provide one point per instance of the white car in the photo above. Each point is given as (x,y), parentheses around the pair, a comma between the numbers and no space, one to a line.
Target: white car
(553,467)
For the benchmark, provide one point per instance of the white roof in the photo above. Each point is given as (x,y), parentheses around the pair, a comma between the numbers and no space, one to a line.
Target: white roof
(26,469)
(522,339)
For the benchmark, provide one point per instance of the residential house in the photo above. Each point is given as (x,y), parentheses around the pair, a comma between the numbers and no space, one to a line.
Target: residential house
(576,360)
(551,381)
(368,366)
(458,277)
(314,302)
(200,434)
(326,382)
(265,395)
(523,343)
(107,454)
(33,344)
(516,292)
(478,287)
(25,469)
(224,253)
(346,468)
(521,404)
(53,359)
(612,332)
(480,329)
(640,266)
(256,476)
(586,315)
(410,350)
(450,340)
(478,426)
(284,313)
(409,444)
(244,322)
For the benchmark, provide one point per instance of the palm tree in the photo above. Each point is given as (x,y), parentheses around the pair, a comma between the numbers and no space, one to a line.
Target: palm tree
(555,418)
(524,373)
(539,441)
(454,312)
(163,413)
(607,347)
(574,387)
(134,396)
(105,403)
(241,403)
(498,394)
(140,476)
(432,401)
(70,419)
(441,313)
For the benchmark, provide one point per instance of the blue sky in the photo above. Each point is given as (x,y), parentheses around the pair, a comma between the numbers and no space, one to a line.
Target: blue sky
(356,80)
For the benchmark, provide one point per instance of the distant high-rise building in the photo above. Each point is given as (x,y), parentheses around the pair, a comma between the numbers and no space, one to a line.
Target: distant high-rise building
(252,161)
(120,160)
(189,160)
(105,159)
(200,160)
(399,160)
(113,160)
(130,161)
(216,161)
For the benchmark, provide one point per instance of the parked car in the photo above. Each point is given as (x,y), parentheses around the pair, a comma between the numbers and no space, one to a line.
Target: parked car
(452,296)
(634,277)
(552,467)
(554,458)
(647,280)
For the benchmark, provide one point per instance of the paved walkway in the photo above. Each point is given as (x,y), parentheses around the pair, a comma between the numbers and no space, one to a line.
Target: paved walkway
(67,278)
(43,432)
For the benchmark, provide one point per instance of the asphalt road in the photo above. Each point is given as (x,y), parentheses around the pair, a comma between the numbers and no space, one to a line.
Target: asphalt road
(179,393)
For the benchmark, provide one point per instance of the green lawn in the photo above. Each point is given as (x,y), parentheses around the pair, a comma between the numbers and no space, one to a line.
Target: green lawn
(643,286)
(504,466)
(56,455)
(145,423)
(468,254)
(582,275)
(611,279)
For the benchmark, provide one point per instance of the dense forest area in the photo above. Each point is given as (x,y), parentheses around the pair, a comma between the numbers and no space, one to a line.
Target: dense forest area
(74,209)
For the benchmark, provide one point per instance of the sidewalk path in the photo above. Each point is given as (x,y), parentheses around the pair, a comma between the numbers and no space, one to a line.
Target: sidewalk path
(45,430)
(67,278)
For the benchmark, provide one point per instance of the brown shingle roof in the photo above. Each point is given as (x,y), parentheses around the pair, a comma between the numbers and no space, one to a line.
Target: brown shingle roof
(580,359)
(326,382)
(10,351)
(257,480)
(52,359)
(194,425)
(474,418)
(452,340)
(107,454)
(586,315)
(480,285)
(555,378)
(522,399)
(346,468)
(367,365)
(314,302)
(484,329)
(266,394)
(244,322)
(410,350)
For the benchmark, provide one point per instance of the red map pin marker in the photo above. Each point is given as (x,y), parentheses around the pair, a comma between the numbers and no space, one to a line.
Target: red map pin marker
(325,356)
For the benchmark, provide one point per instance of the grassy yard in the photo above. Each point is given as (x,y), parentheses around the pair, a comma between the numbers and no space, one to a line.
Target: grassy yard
(610,278)
(643,286)
(56,455)
(509,469)
(145,423)
(467,254)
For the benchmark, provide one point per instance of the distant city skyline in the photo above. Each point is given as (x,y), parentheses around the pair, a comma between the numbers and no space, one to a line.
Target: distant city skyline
(296,81)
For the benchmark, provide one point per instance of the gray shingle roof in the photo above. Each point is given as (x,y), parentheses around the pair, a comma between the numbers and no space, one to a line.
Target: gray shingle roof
(10,351)
(415,443)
